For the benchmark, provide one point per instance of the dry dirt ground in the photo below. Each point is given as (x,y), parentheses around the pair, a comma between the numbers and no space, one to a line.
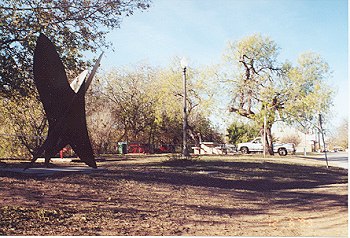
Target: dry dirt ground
(150,195)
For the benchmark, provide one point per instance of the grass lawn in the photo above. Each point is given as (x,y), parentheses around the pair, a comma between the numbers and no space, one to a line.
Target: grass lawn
(155,195)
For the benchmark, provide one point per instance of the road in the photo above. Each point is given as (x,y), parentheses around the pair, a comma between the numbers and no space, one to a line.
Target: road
(336,159)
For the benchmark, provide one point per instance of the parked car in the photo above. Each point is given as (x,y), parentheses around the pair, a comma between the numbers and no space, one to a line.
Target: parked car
(338,148)
(256,145)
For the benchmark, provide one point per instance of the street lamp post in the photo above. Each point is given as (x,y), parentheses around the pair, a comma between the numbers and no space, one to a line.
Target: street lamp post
(185,152)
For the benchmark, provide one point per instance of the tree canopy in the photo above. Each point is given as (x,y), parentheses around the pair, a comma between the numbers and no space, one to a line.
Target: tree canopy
(264,87)
(239,132)
(144,104)
(74,26)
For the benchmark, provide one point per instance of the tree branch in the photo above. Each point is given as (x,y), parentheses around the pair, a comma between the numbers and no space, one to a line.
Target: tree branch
(242,112)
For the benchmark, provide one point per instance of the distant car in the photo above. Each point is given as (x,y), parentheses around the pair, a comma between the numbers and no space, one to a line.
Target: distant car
(338,148)
(256,145)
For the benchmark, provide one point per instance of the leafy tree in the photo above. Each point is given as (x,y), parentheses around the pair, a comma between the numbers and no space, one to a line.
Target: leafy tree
(169,107)
(75,27)
(24,125)
(205,130)
(343,134)
(132,97)
(199,98)
(168,129)
(307,95)
(255,92)
(146,105)
(340,136)
(263,87)
(291,138)
(239,132)
(100,120)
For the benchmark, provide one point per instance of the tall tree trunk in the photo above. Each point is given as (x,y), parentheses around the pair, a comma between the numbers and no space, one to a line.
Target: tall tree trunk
(268,140)
(151,139)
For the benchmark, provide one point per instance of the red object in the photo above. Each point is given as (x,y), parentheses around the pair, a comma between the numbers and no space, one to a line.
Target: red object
(164,149)
(138,148)
(62,151)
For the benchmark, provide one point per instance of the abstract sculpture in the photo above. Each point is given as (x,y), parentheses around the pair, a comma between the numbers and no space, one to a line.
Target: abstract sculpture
(64,104)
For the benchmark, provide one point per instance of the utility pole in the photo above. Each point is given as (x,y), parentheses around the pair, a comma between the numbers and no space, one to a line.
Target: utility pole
(323,140)
(185,152)
(264,140)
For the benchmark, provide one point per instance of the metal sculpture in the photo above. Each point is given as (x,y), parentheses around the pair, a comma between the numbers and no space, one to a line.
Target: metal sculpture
(64,104)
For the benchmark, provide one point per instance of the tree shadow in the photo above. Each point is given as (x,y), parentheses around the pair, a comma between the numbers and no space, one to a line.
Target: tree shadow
(264,176)
(285,185)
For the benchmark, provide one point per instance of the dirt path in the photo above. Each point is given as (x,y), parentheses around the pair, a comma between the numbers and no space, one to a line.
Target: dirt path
(226,196)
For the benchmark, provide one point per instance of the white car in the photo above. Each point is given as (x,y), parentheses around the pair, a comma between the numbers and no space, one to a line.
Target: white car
(256,145)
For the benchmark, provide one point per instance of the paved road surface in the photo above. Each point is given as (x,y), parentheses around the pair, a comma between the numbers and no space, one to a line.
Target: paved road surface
(336,159)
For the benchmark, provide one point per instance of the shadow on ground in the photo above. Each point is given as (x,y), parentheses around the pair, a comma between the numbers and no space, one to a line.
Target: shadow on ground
(288,182)
(133,190)
(264,176)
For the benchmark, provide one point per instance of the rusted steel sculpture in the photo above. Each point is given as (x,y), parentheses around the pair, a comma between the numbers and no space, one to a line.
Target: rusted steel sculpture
(64,104)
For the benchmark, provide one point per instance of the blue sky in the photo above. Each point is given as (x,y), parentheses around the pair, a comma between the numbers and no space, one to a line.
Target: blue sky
(200,30)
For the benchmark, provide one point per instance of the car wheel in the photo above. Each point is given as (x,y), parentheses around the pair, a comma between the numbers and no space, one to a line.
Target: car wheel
(244,150)
(282,151)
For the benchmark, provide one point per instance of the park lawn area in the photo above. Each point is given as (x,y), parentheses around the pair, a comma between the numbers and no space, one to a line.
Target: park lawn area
(157,195)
